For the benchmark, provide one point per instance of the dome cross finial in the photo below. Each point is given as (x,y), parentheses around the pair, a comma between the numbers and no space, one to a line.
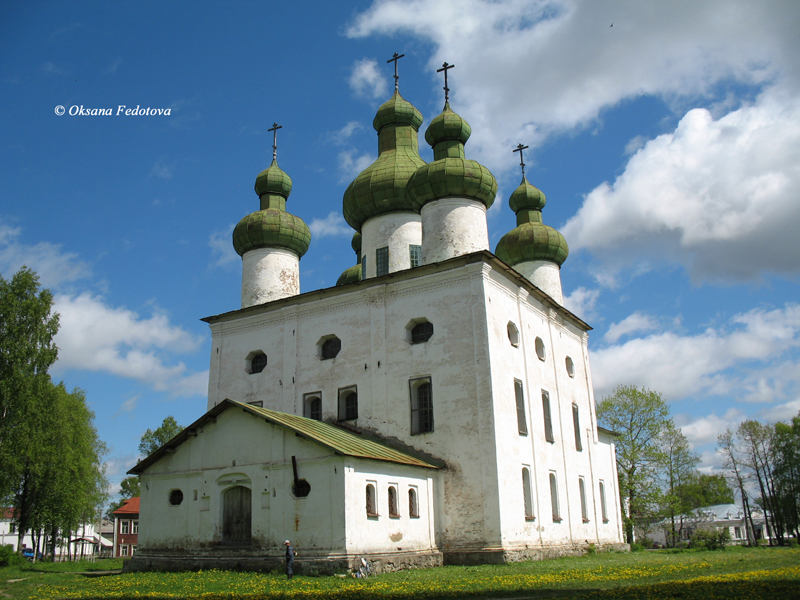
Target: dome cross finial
(274,130)
(444,68)
(519,149)
(394,59)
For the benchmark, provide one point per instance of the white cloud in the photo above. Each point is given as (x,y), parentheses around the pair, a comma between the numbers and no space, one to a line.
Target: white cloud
(49,261)
(341,136)
(351,165)
(581,302)
(96,337)
(222,252)
(333,225)
(631,324)
(527,68)
(706,429)
(367,80)
(162,170)
(733,361)
(720,196)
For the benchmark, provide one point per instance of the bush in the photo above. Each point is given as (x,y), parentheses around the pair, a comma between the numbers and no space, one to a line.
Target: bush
(711,539)
(9,558)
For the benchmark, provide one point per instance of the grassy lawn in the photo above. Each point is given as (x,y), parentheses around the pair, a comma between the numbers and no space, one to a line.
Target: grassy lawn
(733,574)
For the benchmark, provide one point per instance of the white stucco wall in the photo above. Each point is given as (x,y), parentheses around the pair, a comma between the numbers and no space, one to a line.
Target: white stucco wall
(452,227)
(269,274)
(544,274)
(472,367)
(397,231)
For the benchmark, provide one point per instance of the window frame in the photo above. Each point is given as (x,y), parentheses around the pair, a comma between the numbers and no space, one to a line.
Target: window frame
(415,255)
(548,417)
(392,499)
(124,527)
(413,502)
(371,504)
(421,336)
(554,503)
(382,261)
(584,505)
(522,420)
(576,424)
(308,405)
(527,493)
(421,416)
(345,412)
(135,527)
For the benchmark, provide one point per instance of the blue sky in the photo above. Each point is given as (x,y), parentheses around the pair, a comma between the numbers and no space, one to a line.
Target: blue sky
(665,135)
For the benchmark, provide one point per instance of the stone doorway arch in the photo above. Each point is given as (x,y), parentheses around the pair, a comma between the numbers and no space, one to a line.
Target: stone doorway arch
(237,516)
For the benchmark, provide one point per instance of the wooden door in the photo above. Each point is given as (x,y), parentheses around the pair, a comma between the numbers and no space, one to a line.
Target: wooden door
(236,516)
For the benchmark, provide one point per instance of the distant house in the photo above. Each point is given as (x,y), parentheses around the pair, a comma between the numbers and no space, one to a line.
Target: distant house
(719,516)
(84,542)
(126,528)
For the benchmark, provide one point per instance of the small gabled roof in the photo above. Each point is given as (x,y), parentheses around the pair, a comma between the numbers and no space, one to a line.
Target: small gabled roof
(338,440)
(129,507)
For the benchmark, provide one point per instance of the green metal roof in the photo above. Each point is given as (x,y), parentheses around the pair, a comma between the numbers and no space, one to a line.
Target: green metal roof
(337,439)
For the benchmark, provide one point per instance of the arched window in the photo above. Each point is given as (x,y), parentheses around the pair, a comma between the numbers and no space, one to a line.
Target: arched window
(421,405)
(603,502)
(393,502)
(576,424)
(371,504)
(526,493)
(348,404)
(413,509)
(554,498)
(312,406)
(584,509)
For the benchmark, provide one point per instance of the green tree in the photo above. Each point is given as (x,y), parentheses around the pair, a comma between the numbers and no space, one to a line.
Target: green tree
(153,440)
(641,418)
(706,490)
(728,448)
(787,473)
(757,446)
(49,451)
(677,471)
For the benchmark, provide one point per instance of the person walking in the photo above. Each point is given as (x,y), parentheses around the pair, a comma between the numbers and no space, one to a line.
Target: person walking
(290,554)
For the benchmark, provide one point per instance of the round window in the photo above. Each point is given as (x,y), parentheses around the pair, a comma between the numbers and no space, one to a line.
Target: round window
(175,497)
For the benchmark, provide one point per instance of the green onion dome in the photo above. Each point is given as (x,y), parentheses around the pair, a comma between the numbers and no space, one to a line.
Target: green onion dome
(273,180)
(381,187)
(272,226)
(531,240)
(450,174)
(353,273)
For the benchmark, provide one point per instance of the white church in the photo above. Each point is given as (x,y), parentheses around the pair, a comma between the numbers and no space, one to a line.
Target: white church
(434,407)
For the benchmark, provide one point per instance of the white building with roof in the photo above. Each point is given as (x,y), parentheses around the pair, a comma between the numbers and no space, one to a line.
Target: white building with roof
(468,373)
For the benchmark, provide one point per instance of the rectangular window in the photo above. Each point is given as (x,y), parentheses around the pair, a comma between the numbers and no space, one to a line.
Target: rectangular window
(577,425)
(548,422)
(123,550)
(416,255)
(522,424)
(582,490)
(348,403)
(382,260)
(124,527)
(421,405)
(133,550)
(603,502)
(364,267)
(135,527)
(12,528)
(737,533)
(312,406)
